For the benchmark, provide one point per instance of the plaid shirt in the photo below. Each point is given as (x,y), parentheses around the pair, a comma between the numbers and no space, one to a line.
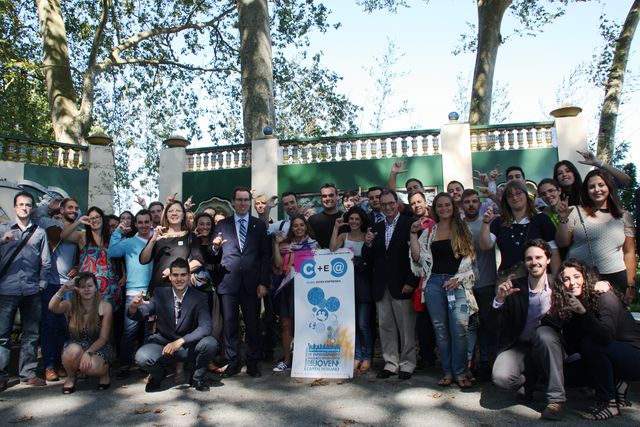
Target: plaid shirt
(388,230)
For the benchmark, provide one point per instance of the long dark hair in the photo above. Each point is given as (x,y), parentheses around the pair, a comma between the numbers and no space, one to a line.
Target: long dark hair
(573,191)
(364,221)
(613,202)
(290,237)
(105,233)
(560,295)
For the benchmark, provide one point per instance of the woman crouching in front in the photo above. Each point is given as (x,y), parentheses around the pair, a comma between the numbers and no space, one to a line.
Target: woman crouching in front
(89,321)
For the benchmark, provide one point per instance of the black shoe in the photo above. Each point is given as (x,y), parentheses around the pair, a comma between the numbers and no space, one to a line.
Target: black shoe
(153,385)
(253,371)
(231,371)
(404,375)
(200,385)
(104,386)
(385,373)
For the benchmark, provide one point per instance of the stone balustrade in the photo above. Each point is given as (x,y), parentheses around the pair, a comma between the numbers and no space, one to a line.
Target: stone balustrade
(515,136)
(45,153)
(216,158)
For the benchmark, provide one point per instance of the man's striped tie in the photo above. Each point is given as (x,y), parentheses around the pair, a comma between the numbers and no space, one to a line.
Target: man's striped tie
(243,232)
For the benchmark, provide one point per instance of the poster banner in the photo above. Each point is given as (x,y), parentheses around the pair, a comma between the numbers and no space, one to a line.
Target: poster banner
(324,304)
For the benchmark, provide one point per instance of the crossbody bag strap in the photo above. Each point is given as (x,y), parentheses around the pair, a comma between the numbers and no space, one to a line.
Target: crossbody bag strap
(15,253)
(586,236)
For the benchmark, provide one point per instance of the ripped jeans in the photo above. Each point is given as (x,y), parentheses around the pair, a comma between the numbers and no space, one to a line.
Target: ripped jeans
(450,322)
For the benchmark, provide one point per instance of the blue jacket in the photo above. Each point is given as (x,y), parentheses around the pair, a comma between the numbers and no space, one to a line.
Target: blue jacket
(138,275)
(29,272)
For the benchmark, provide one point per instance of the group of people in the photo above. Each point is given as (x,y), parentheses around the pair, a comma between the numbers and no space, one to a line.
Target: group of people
(553,307)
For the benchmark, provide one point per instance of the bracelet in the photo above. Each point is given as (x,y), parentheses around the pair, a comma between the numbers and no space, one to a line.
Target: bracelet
(563,220)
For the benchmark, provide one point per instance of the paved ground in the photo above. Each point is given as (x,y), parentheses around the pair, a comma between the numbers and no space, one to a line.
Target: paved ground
(283,401)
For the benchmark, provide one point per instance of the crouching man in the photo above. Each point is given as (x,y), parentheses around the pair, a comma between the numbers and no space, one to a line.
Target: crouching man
(525,348)
(183,329)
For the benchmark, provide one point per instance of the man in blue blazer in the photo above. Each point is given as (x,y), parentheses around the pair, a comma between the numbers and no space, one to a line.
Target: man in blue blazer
(183,328)
(241,244)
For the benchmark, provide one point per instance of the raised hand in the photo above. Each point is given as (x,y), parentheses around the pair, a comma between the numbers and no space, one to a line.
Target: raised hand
(272,202)
(84,220)
(399,167)
(495,173)
(188,204)
(123,228)
(68,285)
(415,226)
(563,209)
(368,238)
(575,305)
(488,215)
(587,158)
(157,233)
(481,176)
(505,290)
(218,241)
(141,201)
(339,223)
(280,236)
(137,302)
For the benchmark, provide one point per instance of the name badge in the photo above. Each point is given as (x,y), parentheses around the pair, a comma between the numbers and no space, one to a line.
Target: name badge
(180,243)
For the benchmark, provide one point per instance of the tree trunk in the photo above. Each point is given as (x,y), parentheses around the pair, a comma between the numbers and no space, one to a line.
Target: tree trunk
(57,72)
(490,13)
(256,68)
(613,87)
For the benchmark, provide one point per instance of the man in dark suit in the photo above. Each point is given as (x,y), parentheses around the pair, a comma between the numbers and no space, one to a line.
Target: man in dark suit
(387,250)
(524,345)
(241,243)
(183,328)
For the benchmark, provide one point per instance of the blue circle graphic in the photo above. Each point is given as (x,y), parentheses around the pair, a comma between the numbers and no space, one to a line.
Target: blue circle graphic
(338,267)
(308,269)
(333,304)
(315,296)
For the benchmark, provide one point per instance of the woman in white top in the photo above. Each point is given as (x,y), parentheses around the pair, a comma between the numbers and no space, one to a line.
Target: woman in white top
(600,232)
(354,240)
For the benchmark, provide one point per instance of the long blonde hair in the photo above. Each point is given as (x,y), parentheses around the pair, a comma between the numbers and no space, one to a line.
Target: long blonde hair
(76,314)
(461,238)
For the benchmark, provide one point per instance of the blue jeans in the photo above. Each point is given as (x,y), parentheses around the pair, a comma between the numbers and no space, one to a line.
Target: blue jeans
(53,330)
(450,322)
(364,334)
(129,335)
(30,312)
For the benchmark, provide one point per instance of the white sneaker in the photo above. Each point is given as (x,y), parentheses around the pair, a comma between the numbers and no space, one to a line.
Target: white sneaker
(281,367)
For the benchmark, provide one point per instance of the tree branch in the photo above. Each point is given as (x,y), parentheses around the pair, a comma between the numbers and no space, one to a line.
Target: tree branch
(144,35)
(99,35)
(143,61)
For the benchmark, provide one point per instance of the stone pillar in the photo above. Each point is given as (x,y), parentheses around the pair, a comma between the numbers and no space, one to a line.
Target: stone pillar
(101,172)
(264,168)
(173,162)
(455,149)
(571,135)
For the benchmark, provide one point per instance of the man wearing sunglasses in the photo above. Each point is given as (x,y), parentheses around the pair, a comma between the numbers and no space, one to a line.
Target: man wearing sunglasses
(183,329)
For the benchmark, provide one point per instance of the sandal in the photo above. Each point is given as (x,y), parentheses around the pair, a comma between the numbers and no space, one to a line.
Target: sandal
(69,390)
(463,382)
(622,390)
(603,411)
(446,381)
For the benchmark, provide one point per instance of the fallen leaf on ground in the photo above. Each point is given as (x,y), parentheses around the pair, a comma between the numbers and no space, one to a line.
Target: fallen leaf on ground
(349,421)
(159,411)
(22,419)
(183,413)
(124,386)
(436,394)
(319,381)
(141,411)
(298,381)
(339,382)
